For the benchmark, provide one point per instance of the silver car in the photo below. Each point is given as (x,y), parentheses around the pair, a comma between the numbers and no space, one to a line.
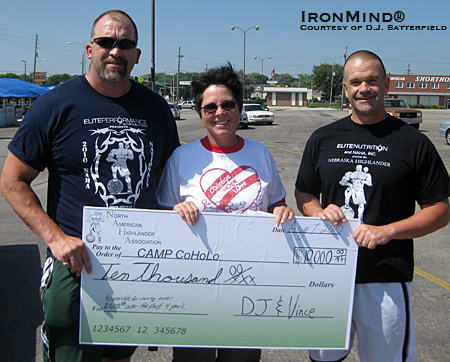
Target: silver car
(175,111)
(187,104)
(444,131)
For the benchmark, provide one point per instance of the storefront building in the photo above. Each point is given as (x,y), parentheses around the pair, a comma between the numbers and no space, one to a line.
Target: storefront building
(286,96)
(421,89)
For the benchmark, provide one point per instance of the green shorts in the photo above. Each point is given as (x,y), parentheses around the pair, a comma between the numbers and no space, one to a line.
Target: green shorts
(60,292)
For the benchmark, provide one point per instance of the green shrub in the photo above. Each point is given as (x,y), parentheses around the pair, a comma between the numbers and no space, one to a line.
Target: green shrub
(430,106)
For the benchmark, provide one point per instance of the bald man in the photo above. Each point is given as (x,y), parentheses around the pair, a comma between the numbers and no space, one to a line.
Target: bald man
(400,167)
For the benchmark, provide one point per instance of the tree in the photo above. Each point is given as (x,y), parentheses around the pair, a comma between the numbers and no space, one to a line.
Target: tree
(325,74)
(305,80)
(286,79)
(10,75)
(21,76)
(57,79)
(256,79)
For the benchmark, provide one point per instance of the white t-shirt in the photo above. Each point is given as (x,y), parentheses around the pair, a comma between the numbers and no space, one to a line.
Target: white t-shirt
(233,179)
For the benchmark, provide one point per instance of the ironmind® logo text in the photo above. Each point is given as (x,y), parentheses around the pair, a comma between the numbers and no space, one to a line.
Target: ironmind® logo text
(349,17)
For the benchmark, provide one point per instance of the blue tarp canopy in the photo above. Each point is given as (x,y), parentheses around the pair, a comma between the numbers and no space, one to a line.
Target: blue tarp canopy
(10,87)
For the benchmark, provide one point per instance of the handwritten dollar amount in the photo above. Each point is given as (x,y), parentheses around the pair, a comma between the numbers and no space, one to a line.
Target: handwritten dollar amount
(320,256)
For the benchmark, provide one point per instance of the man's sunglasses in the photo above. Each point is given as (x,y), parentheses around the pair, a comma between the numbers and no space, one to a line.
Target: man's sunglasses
(226,106)
(109,43)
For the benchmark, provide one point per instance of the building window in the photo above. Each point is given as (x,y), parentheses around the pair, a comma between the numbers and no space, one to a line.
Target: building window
(434,85)
(409,84)
(398,84)
(422,85)
(448,85)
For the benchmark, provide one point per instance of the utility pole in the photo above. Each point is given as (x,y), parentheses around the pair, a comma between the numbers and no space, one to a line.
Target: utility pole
(35,56)
(331,90)
(152,71)
(342,94)
(408,71)
(178,74)
(25,74)
(165,84)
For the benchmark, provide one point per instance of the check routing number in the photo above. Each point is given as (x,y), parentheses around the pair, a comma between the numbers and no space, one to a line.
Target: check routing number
(229,281)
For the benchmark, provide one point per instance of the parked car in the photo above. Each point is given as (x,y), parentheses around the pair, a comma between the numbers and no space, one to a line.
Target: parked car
(243,122)
(175,111)
(398,108)
(187,104)
(250,101)
(257,114)
(444,131)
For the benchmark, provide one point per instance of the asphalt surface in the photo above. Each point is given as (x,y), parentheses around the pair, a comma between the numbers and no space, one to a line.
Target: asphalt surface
(22,253)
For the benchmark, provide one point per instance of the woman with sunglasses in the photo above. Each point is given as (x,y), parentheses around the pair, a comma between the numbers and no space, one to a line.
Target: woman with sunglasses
(221,173)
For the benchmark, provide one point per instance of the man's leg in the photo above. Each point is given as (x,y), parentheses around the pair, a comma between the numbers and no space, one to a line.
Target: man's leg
(384,323)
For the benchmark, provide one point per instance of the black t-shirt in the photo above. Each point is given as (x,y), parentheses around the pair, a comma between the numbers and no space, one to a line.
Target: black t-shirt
(99,151)
(376,173)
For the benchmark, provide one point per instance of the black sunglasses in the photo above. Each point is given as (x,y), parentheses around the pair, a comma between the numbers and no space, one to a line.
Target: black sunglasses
(226,106)
(109,43)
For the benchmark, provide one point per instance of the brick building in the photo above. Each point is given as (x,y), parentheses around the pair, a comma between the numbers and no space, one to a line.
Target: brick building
(421,89)
(286,96)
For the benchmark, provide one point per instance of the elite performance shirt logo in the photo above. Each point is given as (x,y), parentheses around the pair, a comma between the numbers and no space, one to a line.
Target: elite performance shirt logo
(352,21)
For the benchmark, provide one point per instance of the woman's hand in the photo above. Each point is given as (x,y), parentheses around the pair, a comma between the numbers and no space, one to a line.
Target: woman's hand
(188,211)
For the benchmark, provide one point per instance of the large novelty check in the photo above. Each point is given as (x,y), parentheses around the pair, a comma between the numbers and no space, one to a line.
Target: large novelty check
(230,281)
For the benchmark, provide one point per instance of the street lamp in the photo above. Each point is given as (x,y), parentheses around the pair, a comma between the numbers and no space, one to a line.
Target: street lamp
(25,74)
(244,31)
(262,71)
(173,80)
(82,56)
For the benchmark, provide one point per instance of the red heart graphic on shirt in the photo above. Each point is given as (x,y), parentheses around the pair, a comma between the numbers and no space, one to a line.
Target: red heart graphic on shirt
(232,192)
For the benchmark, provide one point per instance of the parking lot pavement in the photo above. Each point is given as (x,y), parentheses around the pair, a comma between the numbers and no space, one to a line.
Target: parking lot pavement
(20,249)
